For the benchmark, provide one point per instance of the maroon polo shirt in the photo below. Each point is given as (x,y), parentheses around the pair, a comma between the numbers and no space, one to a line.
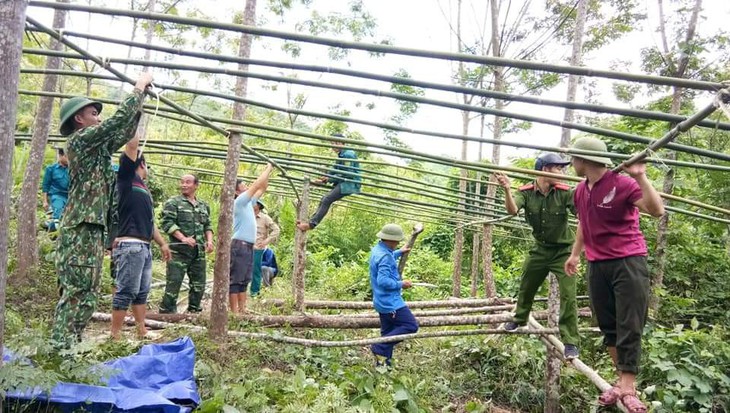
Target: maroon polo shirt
(609,220)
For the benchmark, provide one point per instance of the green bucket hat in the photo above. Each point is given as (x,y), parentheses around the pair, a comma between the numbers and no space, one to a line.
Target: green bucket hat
(588,143)
(391,232)
(70,108)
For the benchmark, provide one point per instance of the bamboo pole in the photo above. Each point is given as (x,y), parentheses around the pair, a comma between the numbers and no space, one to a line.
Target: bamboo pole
(381,48)
(339,322)
(367,305)
(167,101)
(591,374)
(300,249)
(486,93)
(161,325)
(400,96)
(415,156)
(444,161)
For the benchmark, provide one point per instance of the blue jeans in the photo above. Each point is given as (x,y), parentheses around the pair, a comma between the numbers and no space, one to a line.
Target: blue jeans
(133,261)
(400,321)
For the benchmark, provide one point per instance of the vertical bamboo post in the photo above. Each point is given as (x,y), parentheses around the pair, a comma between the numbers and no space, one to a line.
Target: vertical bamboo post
(300,248)
(475,263)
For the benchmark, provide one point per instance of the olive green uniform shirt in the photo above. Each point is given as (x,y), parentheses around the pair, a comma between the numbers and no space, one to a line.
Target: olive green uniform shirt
(547,214)
(90,168)
(193,220)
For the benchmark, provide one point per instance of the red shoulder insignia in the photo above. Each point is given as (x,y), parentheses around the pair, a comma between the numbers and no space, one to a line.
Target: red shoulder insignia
(564,187)
(526,187)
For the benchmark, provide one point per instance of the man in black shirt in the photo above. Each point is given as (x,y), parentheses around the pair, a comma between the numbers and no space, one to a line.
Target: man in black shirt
(131,251)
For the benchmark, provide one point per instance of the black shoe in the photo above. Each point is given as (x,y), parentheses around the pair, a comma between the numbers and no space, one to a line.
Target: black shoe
(571,352)
(511,326)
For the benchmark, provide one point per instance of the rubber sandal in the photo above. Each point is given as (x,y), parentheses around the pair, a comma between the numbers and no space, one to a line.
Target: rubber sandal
(610,396)
(632,403)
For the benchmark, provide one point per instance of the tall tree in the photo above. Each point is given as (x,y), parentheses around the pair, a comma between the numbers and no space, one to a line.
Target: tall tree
(219,306)
(27,249)
(553,364)
(677,67)
(12,20)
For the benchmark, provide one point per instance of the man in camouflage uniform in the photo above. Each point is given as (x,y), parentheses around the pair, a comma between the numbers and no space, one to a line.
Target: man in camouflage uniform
(547,203)
(186,220)
(80,248)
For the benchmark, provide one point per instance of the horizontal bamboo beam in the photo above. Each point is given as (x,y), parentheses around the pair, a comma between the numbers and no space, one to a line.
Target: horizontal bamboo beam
(462,107)
(381,48)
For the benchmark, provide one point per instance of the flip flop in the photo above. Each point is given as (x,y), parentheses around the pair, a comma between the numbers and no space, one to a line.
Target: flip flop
(632,403)
(610,396)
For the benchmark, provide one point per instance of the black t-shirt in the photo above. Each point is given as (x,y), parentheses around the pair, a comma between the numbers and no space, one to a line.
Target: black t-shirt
(135,203)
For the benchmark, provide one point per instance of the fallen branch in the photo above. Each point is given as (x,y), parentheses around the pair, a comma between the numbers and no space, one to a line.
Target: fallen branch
(366,305)
(325,343)
(456,311)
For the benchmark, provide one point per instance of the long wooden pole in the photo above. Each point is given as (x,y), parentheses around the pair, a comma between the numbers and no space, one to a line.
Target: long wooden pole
(381,48)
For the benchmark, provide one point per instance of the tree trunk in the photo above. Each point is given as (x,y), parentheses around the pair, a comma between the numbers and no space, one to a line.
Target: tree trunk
(490,288)
(475,263)
(657,279)
(576,59)
(339,322)
(219,307)
(27,244)
(552,362)
(12,20)
(458,252)
(300,249)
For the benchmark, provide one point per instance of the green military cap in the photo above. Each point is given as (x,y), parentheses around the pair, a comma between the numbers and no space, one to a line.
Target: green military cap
(261,204)
(588,143)
(70,108)
(391,232)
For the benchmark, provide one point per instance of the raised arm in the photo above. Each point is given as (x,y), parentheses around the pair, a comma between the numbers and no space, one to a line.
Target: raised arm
(260,184)
(509,202)
(650,201)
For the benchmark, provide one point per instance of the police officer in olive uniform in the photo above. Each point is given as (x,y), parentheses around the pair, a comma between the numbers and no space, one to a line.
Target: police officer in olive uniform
(80,249)
(547,202)
(186,220)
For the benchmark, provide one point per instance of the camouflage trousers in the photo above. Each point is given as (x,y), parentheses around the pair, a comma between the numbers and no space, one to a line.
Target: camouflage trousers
(79,256)
(194,266)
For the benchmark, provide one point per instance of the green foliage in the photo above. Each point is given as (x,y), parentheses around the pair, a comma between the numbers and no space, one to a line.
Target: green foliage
(688,369)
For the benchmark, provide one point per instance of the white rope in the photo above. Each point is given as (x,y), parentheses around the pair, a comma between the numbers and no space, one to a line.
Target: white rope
(156,93)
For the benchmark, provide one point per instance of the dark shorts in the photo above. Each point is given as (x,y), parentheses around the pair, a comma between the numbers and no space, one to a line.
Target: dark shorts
(241,266)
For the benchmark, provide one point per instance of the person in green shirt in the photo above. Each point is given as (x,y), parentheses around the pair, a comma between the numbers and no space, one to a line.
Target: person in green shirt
(547,202)
(80,249)
(186,220)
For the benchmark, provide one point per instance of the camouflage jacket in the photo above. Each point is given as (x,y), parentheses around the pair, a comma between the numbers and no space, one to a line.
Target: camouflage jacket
(90,168)
(179,214)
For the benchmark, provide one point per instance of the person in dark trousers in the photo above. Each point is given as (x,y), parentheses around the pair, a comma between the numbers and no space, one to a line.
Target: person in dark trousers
(547,203)
(395,316)
(269,267)
(132,253)
(608,205)
(344,175)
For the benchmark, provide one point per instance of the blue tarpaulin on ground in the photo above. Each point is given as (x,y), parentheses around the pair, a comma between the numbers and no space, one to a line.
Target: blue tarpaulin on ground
(158,379)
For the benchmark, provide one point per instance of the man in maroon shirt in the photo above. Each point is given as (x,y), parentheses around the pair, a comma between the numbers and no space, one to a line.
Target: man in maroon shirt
(608,206)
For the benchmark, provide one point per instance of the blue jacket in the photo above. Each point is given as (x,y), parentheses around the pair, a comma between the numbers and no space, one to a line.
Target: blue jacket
(346,172)
(56,180)
(384,279)
(268,259)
